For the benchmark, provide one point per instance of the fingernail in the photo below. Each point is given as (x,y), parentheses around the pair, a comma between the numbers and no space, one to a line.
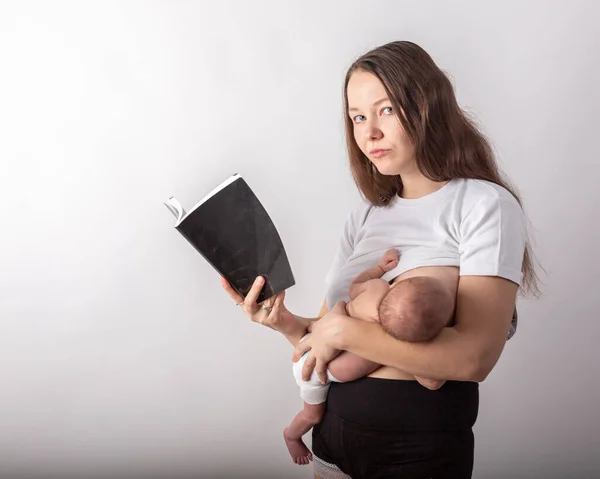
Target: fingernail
(260,280)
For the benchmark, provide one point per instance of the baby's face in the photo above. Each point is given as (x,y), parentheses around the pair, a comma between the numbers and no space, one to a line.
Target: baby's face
(365,305)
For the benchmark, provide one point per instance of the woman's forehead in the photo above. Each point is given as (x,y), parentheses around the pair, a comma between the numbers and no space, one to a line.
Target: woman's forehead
(365,90)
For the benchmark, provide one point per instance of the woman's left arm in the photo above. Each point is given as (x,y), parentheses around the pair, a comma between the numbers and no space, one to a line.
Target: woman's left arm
(467,351)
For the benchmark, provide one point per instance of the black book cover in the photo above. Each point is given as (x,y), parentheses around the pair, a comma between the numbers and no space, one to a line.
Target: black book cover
(232,230)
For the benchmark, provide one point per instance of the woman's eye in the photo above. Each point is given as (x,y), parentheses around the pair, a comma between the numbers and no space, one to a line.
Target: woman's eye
(359,118)
(388,110)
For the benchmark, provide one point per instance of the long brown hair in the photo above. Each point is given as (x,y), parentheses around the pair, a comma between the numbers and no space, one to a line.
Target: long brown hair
(447,142)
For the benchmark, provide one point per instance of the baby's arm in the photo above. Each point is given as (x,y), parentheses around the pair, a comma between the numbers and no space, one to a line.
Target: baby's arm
(386,263)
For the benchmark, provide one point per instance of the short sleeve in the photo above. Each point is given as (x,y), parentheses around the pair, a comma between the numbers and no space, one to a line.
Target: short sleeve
(346,243)
(493,236)
(344,249)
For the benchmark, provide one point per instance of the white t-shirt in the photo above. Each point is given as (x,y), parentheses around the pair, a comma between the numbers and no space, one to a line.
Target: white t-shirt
(473,224)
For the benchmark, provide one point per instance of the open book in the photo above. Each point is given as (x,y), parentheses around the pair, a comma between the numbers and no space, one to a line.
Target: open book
(231,229)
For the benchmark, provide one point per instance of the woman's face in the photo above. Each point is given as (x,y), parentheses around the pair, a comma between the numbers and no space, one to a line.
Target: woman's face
(377,130)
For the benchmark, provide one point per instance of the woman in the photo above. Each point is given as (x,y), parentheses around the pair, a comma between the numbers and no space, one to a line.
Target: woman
(433,190)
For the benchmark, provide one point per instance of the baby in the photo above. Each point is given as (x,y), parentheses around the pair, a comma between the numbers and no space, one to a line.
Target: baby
(412,309)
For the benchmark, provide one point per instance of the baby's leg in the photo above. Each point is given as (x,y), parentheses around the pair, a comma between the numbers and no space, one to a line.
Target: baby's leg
(303,422)
(348,367)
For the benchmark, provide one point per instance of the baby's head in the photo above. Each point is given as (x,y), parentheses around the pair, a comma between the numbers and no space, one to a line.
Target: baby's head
(416,309)
(364,306)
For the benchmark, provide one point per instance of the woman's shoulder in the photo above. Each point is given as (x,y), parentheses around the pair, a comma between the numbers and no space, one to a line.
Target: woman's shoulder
(484,204)
(473,191)
(492,231)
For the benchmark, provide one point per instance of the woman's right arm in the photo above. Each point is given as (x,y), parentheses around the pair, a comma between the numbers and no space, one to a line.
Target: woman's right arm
(278,318)
(294,327)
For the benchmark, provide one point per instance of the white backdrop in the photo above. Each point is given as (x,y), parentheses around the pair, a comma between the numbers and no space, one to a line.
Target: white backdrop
(119,352)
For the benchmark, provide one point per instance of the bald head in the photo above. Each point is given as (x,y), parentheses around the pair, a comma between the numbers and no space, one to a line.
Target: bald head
(416,309)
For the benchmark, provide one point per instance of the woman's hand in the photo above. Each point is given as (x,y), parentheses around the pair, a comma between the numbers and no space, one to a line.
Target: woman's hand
(271,312)
(323,343)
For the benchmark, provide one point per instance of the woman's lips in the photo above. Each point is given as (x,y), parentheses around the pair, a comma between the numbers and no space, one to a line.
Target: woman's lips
(378,153)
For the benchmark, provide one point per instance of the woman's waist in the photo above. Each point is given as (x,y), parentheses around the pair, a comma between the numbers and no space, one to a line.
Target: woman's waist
(387,372)
(405,404)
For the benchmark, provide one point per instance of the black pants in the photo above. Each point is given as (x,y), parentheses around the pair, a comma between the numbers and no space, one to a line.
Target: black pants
(381,428)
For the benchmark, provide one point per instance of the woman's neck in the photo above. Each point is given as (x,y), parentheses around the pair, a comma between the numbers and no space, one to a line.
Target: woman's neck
(416,185)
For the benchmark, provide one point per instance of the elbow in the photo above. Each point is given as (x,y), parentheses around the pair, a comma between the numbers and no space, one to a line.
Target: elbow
(476,368)
(479,375)
(471,374)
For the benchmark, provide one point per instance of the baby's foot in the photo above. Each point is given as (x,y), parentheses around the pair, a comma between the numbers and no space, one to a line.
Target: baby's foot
(299,452)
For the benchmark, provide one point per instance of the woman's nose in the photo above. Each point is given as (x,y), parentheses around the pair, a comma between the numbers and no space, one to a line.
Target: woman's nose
(373,132)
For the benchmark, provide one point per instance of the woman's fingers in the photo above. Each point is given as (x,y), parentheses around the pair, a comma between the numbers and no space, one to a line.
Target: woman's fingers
(301,348)
(270,312)
(275,315)
(279,300)
(308,367)
(321,370)
(250,301)
(232,292)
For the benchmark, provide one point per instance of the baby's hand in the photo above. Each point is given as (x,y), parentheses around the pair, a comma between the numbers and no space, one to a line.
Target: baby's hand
(389,260)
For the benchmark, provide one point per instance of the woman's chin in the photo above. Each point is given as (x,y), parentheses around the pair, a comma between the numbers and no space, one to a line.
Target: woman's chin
(388,170)
(391,167)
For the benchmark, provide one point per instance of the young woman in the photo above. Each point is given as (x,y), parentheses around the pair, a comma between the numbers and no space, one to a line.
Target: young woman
(431,189)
